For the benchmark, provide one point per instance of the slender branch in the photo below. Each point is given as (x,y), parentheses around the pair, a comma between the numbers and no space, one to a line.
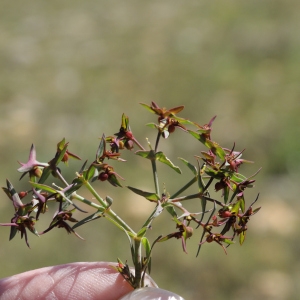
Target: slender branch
(155,175)
(138,144)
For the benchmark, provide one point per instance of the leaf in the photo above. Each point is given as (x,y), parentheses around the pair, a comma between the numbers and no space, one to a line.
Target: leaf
(160,156)
(43,187)
(101,148)
(142,231)
(183,121)
(189,165)
(147,246)
(226,193)
(125,122)
(113,180)
(90,218)
(147,195)
(148,107)
(89,174)
(236,207)
(242,203)
(151,125)
(146,154)
(61,144)
(171,210)
(12,194)
(13,231)
(213,146)
(237,177)
(242,237)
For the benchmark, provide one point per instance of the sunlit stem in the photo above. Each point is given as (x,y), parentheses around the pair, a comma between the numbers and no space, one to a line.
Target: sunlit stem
(95,194)
(108,211)
(88,202)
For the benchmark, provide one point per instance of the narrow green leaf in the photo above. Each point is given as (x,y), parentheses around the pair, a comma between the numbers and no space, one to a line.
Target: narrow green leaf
(228,241)
(171,210)
(90,218)
(148,107)
(142,232)
(125,122)
(13,231)
(89,174)
(242,237)
(189,165)
(213,146)
(147,195)
(101,148)
(43,187)
(242,203)
(61,144)
(151,125)
(160,156)
(146,154)
(237,177)
(147,246)
(226,193)
(236,207)
(113,180)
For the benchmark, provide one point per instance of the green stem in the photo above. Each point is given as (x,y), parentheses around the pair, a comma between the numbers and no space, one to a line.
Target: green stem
(138,263)
(88,202)
(155,175)
(108,211)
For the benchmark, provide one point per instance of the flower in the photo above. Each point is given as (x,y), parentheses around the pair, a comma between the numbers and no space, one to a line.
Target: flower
(32,165)
(167,119)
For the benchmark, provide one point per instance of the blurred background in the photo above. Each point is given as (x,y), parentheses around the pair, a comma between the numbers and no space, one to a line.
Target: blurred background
(70,69)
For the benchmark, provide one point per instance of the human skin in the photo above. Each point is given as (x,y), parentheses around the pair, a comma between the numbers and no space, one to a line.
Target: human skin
(81,280)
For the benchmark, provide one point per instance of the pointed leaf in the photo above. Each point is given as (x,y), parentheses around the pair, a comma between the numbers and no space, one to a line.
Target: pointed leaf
(101,148)
(160,156)
(242,237)
(148,107)
(171,210)
(149,196)
(142,231)
(92,217)
(89,174)
(113,180)
(146,154)
(189,165)
(13,231)
(151,125)
(43,187)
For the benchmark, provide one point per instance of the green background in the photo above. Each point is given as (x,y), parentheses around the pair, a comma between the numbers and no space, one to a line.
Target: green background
(71,68)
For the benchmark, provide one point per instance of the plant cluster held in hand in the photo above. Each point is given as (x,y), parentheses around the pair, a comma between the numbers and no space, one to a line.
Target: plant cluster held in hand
(217,220)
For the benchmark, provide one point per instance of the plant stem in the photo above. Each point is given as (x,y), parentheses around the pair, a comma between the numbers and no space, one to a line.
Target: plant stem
(155,176)
(108,211)
(138,263)
(88,202)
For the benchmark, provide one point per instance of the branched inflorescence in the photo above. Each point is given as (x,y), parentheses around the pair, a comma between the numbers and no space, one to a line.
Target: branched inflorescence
(221,221)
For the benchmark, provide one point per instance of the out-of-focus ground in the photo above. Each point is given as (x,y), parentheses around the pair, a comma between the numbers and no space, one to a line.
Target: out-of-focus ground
(70,69)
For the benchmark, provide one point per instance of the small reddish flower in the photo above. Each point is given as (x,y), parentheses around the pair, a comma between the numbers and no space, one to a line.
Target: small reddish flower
(32,165)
